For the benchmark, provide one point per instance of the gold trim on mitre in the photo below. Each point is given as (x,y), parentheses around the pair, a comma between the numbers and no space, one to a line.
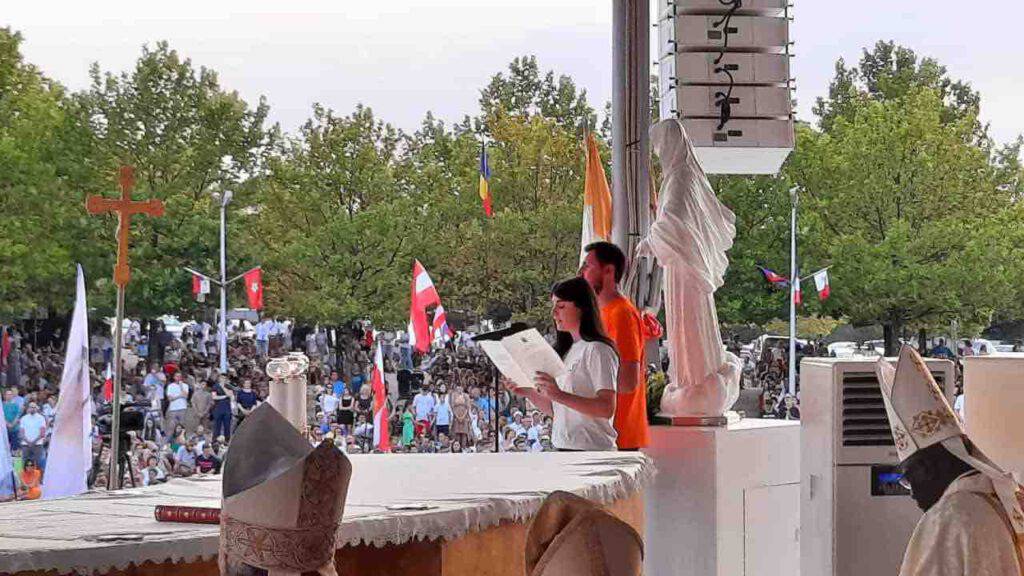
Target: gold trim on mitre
(919,415)
(282,500)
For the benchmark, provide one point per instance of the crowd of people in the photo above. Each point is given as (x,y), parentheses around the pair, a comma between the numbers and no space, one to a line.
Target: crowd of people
(183,410)
(188,410)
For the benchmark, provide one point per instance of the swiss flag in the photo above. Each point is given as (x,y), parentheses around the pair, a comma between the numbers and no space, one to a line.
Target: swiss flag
(424,294)
(254,288)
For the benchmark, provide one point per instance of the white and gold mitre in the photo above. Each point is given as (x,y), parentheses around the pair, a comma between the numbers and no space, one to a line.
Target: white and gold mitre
(282,499)
(919,414)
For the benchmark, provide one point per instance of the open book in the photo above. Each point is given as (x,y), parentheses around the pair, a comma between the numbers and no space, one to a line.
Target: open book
(520,354)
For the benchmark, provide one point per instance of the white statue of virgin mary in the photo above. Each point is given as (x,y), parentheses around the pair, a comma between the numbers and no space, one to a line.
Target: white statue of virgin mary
(690,236)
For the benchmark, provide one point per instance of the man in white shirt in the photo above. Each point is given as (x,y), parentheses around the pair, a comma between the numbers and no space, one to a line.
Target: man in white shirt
(33,435)
(177,403)
(423,404)
(263,330)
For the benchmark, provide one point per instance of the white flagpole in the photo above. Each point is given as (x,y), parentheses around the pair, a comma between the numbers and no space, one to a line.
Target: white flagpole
(793,286)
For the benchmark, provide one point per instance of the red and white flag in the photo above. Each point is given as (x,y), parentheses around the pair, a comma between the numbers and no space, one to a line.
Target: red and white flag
(441,330)
(423,296)
(821,283)
(254,288)
(798,297)
(108,383)
(200,287)
(381,434)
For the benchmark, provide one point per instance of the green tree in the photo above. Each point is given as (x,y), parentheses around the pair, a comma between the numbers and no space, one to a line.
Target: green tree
(335,230)
(890,72)
(902,201)
(38,217)
(187,138)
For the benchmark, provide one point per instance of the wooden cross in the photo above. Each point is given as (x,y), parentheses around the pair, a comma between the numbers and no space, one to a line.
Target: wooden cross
(124,207)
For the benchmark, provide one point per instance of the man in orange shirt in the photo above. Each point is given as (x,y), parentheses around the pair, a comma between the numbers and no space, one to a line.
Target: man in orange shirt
(603,268)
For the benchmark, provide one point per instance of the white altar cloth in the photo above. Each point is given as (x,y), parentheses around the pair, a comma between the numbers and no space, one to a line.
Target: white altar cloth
(102,531)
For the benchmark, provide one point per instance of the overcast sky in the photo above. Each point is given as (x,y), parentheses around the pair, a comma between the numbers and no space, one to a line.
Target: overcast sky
(405,57)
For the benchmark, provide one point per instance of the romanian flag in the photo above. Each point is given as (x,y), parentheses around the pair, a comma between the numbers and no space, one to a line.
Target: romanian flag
(485,181)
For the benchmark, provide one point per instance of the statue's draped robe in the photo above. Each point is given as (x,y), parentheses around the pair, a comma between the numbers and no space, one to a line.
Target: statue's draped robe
(690,237)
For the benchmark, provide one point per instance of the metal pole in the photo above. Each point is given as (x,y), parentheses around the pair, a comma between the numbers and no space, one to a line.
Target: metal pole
(222,330)
(113,476)
(793,285)
(620,106)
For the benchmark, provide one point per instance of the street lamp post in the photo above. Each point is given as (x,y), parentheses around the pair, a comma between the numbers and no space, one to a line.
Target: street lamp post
(222,330)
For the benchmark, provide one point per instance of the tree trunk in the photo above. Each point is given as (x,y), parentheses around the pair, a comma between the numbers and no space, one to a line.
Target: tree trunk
(889,331)
(922,341)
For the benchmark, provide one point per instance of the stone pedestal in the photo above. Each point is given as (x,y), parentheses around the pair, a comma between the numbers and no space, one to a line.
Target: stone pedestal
(288,388)
(993,405)
(725,500)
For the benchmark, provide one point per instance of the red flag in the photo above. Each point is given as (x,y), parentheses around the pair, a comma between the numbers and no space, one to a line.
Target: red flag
(381,434)
(798,298)
(200,287)
(424,294)
(5,347)
(254,288)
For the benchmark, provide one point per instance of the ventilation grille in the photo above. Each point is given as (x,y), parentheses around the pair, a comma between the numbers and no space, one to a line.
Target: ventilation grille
(865,422)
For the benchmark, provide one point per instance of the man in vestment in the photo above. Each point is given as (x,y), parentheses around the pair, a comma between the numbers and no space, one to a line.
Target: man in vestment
(973,524)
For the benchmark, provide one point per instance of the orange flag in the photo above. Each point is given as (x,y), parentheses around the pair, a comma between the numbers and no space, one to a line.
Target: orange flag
(597,199)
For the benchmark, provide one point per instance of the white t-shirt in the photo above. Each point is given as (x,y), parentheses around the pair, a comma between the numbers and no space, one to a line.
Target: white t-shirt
(178,403)
(329,403)
(592,367)
(32,426)
(443,411)
(423,405)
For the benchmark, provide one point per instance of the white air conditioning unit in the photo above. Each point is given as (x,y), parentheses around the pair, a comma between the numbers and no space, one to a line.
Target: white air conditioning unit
(855,518)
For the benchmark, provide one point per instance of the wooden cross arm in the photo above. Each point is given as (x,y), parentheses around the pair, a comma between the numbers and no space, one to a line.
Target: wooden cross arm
(100,205)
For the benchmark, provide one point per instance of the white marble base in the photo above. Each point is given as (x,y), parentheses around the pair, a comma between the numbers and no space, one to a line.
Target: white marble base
(993,404)
(725,500)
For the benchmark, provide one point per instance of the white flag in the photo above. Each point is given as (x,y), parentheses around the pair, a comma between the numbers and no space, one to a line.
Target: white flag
(70,455)
(7,486)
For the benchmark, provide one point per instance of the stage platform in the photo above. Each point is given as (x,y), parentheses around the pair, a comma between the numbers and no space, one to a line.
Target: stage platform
(477,507)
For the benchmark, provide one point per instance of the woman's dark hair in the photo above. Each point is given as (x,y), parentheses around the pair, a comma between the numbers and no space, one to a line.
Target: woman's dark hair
(578,291)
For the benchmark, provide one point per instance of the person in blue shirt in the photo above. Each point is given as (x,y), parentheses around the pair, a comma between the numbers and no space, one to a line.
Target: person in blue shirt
(337,384)
(941,351)
(12,411)
(247,401)
(222,408)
